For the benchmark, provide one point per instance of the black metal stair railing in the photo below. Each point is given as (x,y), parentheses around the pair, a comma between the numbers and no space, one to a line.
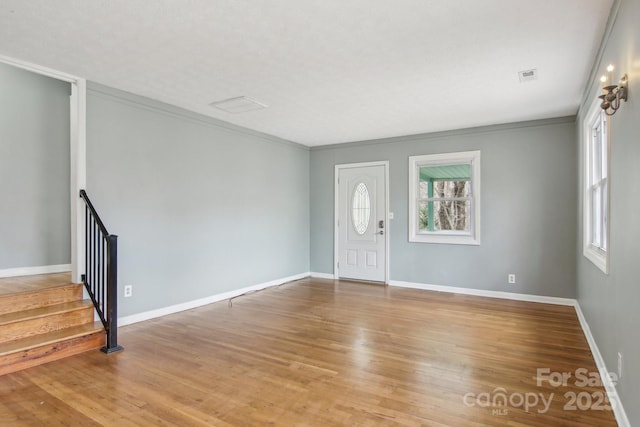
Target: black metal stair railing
(100,276)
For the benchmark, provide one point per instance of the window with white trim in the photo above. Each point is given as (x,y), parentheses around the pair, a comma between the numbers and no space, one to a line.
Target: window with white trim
(444,198)
(596,188)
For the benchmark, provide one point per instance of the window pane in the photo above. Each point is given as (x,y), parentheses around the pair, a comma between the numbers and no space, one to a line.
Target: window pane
(603,147)
(596,216)
(451,181)
(450,215)
(423,190)
(423,216)
(596,154)
(451,189)
(450,172)
(605,216)
(361,208)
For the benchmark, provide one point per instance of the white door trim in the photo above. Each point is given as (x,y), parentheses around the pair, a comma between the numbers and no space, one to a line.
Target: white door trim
(78,149)
(336,212)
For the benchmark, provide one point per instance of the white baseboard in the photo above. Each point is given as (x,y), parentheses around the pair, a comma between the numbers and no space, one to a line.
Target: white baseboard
(612,393)
(32,271)
(322,276)
(486,293)
(152,314)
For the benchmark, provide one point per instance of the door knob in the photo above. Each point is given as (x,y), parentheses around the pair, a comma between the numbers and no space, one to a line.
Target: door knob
(381,232)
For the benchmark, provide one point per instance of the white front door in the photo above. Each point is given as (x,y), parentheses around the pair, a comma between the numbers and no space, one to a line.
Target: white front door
(361,222)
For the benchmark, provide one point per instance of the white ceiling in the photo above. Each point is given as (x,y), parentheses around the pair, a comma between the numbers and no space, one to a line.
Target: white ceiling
(331,71)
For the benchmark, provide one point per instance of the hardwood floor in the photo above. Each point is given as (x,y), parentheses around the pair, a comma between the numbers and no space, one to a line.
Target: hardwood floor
(322,353)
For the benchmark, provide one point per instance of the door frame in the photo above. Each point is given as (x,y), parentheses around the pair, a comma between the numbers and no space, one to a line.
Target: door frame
(336,213)
(78,152)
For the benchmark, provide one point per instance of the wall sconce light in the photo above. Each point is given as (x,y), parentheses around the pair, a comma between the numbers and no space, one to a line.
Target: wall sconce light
(612,94)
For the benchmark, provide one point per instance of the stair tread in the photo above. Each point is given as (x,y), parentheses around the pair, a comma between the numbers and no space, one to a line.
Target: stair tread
(48,310)
(49,338)
(29,299)
(16,285)
(34,290)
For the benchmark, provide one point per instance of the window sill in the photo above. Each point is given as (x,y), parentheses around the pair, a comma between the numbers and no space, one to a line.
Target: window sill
(598,258)
(448,239)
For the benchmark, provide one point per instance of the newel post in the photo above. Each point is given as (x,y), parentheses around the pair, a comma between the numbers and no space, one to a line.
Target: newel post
(112,296)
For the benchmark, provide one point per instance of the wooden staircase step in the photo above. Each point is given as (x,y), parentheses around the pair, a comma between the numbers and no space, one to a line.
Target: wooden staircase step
(49,338)
(41,320)
(35,298)
(44,318)
(38,349)
(12,285)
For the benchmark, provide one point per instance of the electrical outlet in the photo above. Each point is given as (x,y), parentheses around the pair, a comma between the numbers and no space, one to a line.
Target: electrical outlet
(128,291)
(619,366)
(512,278)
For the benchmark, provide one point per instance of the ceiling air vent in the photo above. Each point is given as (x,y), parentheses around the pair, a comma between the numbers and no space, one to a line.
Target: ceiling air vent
(528,75)
(240,104)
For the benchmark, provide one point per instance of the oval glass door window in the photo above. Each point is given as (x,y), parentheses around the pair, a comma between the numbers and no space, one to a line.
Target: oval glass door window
(361,208)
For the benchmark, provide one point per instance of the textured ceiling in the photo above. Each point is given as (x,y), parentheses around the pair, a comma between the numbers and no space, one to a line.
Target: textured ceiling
(331,71)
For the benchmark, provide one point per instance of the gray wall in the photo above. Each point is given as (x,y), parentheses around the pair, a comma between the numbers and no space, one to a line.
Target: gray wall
(610,302)
(528,217)
(200,206)
(35,216)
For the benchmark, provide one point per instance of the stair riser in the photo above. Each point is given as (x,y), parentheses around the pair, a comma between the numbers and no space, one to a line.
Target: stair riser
(42,325)
(27,301)
(50,352)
